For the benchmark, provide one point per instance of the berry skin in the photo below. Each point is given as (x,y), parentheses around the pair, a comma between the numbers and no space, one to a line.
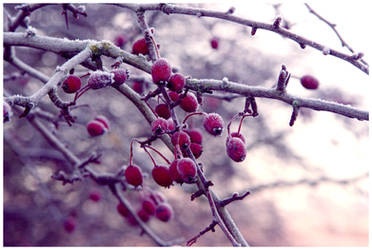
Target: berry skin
(69,225)
(71,84)
(122,210)
(95,196)
(238,135)
(187,169)
(174,172)
(143,215)
(133,175)
(235,149)
(159,126)
(164,212)
(161,71)
(149,206)
(138,87)
(100,79)
(189,103)
(196,150)
(131,220)
(176,82)
(182,138)
(174,96)
(213,123)
(140,47)
(162,110)
(120,76)
(95,128)
(171,125)
(103,120)
(214,43)
(161,176)
(195,135)
(7,112)
(309,82)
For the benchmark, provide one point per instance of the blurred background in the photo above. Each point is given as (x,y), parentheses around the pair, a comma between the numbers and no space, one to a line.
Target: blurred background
(320,144)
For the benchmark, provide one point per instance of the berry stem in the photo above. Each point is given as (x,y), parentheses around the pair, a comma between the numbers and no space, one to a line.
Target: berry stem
(241,121)
(131,152)
(87,74)
(229,124)
(152,159)
(165,158)
(81,92)
(189,115)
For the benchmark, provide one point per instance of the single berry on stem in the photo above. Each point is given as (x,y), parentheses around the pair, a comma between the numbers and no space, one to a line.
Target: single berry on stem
(161,176)
(71,84)
(176,82)
(181,138)
(133,175)
(174,172)
(140,47)
(164,212)
(238,135)
(174,96)
(96,128)
(120,76)
(196,150)
(144,216)
(162,110)
(309,82)
(122,210)
(149,206)
(189,103)
(235,149)
(213,124)
(161,71)
(103,120)
(187,169)
(195,135)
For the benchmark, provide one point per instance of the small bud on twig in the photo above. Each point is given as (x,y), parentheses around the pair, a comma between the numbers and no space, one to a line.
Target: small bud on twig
(295,111)
(277,22)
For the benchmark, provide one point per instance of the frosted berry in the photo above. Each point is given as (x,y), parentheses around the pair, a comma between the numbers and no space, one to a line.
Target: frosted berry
(120,76)
(159,126)
(214,43)
(171,125)
(143,215)
(174,96)
(187,169)
(162,110)
(182,138)
(120,40)
(195,135)
(133,175)
(238,135)
(7,112)
(100,79)
(213,123)
(161,71)
(95,128)
(140,47)
(235,149)
(189,103)
(161,176)
(103,120)
(196,150)
(69,225)
(95,196)
(149,206)
(164,212)
(71,84)
(176,82)
(174,172)
(309,82)
(122,210)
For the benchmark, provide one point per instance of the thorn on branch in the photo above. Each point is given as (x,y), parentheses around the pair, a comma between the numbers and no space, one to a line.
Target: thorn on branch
(295,111)
(253,31)
(234,197)
(302,45)
(276,23)
(230,11)
(207,229)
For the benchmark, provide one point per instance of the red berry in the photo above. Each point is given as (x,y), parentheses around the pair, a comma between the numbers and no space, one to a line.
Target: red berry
(103,120)
(159,126)
(181,138)
(138,87)
(133,175)
(163,110)
(309,82)
(164,212)
(120,76)
(176,82)
(140,47)
(143,215)
(238,135)
(195,135)
(122,210)
(189,103)
(95,128)
(214,43)
(174,172)
(131,220)
(95,196)
(120,40)
(149,206)
(235,149)
(213,123)
(69,225)
(171,125)
(187,169)
(71,84)
(161,71)
(196,150)
(174,96)
(100,79)
(161,176)
(7,112)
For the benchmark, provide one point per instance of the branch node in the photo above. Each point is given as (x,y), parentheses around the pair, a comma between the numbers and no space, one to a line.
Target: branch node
(295,111)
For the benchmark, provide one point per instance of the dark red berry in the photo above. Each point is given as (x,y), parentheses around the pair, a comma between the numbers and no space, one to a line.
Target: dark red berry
(161,176)
(174,172)
(122,210)
(235,149)
(189,103)
(161,71)
(138,87)
(159,126)
(195,135)
(103,120)
(100,79)
(71,84)
(133,175)
(187,169)
(120,76)
(69,225)
(95,128)
(149,206)
(171,125)
(164,212)
(309,82)
(213,123)
(95,196)
(143,215)
(214,43)
(196,150)
(238,135)
(120,40)
(176,82)
(7,112)
(131,220)
(162,110)
(182,138)
(174,96)
(140,47)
